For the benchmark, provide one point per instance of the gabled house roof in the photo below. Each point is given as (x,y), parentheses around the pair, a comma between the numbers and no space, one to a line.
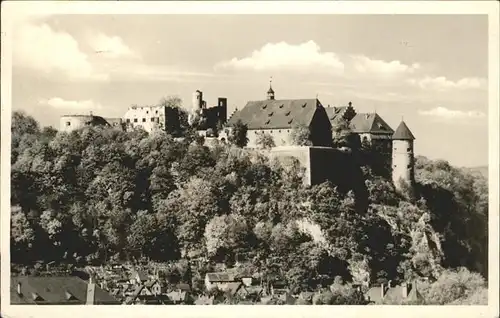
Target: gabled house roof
(370,123)
(234,287)
(55,290)
(277,114)
(394,293)
(403,133)
(335,113)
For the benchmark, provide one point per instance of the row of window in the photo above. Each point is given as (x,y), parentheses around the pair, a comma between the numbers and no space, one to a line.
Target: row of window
(153,119)
(147,111)
(270,131)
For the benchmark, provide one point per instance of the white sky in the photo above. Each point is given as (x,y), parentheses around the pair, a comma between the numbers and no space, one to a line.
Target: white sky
(430,70)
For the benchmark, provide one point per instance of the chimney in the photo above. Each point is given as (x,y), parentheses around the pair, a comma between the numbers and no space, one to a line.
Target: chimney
(382,291)
(90,291)
(19,289)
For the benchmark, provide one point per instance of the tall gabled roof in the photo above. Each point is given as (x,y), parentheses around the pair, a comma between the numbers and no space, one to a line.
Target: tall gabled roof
(276,114)
(370,123)
(403,132)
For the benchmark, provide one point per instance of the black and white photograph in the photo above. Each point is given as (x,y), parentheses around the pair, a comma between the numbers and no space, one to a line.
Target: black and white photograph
(248,157)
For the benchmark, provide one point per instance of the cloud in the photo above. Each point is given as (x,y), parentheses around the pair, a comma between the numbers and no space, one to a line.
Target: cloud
(59,103)
(442,83)
(450,114)
(284,56)
(366,65)
(40,48)
(110,46)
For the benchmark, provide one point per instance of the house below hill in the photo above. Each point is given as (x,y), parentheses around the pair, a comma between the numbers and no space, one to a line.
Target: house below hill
(53,290)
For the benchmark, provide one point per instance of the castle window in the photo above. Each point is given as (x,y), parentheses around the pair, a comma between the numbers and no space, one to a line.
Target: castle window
(135,120)
(147,111)
(271,131)
(128,120)
(144,120)
(279,130)
(395,148)
(156,112)
(152,119)
(394,166)
(409,149)
(288,130)
(409,166)
(68,123)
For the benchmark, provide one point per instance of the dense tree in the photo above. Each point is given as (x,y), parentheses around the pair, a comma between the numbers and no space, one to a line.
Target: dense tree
(301,135)
(100,194)
(265,141)
(238,134)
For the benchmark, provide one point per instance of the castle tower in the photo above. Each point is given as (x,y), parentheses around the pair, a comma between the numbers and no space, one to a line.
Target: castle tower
(402,156)
(197,100)
(196,110)
(270,92)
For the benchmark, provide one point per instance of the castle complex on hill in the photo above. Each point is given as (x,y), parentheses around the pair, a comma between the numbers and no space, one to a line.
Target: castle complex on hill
(276,118)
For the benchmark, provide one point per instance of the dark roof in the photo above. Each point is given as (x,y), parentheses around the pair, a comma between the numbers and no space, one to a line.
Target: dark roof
(270,90)
(403,132)
(276,114)
(221,277)
(370,123)
(55,290)
(137,291)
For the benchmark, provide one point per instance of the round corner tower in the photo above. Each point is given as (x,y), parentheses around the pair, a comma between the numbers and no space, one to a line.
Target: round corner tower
(197,100)
(402,156)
